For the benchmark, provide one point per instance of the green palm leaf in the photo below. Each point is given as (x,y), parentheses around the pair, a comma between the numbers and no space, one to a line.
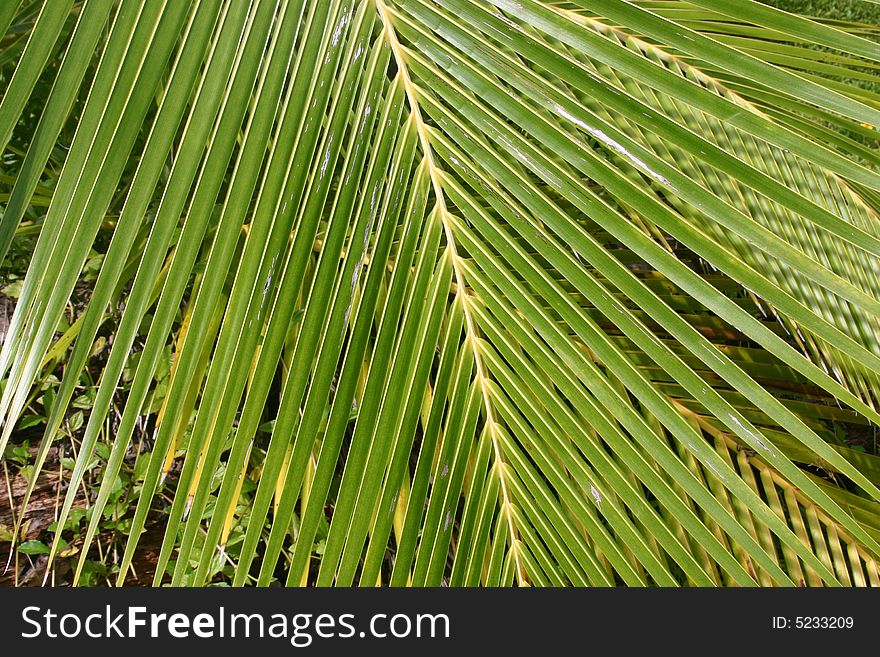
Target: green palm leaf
(465,292)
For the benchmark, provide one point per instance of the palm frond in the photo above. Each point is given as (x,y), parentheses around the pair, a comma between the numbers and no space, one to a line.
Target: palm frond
(465,292)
